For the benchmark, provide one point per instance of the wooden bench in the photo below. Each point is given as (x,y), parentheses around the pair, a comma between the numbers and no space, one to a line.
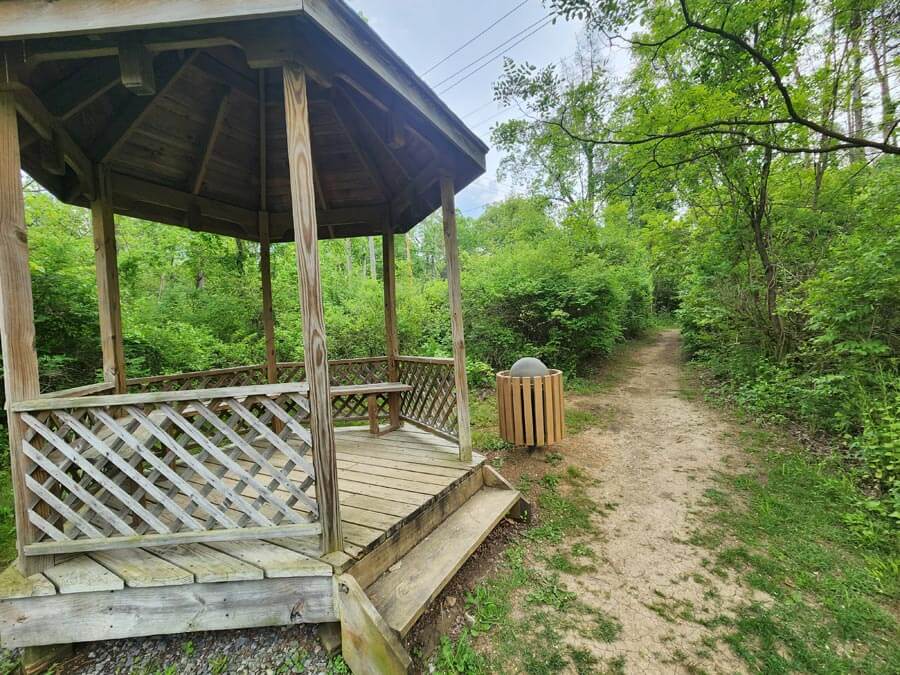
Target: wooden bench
(371,392)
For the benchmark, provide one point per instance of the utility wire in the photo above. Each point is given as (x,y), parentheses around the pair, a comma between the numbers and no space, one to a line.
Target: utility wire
(489,53)
(489,119)
(494,58)
(463,46)
(477,110)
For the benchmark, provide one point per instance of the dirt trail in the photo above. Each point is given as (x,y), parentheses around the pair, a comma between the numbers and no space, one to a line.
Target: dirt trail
(653,459)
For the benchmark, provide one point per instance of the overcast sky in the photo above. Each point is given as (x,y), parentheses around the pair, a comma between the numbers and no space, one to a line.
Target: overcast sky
(423,32)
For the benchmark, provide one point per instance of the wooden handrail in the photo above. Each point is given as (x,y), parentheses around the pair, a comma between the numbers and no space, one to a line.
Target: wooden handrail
(440,360)
(84,390)
(159,397)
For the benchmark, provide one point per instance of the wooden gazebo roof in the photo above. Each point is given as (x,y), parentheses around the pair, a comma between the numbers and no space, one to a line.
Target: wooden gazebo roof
(181,103)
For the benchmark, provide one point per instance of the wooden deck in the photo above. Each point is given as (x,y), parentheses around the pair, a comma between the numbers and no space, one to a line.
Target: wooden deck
(394,490)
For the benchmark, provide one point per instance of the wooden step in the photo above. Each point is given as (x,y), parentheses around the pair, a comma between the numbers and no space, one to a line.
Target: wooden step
(402,594)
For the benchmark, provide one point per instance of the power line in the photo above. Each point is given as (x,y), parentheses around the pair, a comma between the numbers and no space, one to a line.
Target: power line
(477,110)
(489,53)
(463,46)
(494,58)
(489,119)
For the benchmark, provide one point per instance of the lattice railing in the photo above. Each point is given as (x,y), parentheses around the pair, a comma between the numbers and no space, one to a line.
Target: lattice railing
(167,467)
(432,402)
(241,376)
(341,372)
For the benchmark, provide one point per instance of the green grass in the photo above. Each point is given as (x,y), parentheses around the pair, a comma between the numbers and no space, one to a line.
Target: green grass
(528,595)
(782,529)
(7,512)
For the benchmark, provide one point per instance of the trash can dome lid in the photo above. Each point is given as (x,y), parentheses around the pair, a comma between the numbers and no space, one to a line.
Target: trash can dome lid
(528,367)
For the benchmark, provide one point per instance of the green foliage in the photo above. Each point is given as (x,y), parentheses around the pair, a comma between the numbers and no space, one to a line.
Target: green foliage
(547,294)
(459,657)
(838,369)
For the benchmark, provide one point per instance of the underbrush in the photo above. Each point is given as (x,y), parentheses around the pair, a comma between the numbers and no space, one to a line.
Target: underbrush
(859,415)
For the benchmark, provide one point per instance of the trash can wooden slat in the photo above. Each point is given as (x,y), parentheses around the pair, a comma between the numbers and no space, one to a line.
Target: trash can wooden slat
(531,408)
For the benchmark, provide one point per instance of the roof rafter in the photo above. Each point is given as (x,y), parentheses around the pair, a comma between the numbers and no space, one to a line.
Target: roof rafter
(128,119)
(212,136)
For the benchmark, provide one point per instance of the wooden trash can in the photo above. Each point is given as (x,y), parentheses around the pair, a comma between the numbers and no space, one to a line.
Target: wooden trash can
(531,408)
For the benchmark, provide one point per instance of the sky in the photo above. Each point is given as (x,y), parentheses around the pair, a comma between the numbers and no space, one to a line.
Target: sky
(424,32)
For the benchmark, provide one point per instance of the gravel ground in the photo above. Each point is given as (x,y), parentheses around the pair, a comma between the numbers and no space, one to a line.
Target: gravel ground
(266,651)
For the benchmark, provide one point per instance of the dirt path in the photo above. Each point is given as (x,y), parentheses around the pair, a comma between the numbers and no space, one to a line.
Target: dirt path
(653,460)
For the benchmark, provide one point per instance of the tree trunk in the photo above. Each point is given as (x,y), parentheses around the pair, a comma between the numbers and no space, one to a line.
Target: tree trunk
(880,62)
(409,263)
(348,251)
(856,87)
(373,270)
(761,240)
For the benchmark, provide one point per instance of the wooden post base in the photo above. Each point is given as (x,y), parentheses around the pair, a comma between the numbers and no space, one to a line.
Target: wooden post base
(330,637)
(369,645)
(39,659)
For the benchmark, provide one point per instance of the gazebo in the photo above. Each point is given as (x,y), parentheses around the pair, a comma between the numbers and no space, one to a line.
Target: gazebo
(248,496)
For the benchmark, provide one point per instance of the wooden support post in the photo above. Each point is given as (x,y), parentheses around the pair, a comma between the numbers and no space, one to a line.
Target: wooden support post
(20,367)
(391,340)
(451,251)
(265,242)
(268,313)
(315,354)
(105,258)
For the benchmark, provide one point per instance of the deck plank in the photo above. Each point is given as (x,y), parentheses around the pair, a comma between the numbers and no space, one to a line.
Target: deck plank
(14,584)
(384,481)
(390,472)
(275,561)
(83,575)
(397,462)
(140,569)
(381,492)
(208,565)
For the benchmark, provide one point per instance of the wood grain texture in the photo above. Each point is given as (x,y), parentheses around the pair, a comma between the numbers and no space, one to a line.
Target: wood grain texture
(531,408)
(212,135)
(369,645)
(108,299)
(391,338)
(81,575)
(398,544)
(23,18)
(13,585)
(20,367)
(303,203)
(135,612)
(140,569)
(451,251)
(207,564)
(402,595)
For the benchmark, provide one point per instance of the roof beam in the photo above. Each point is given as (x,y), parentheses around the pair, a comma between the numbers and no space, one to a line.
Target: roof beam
(51,130)
(211,137)
(26,18)
(125,121)
(364,123)
(83,87)
(128,190)
(355,135)
(423,180)
(139,190)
